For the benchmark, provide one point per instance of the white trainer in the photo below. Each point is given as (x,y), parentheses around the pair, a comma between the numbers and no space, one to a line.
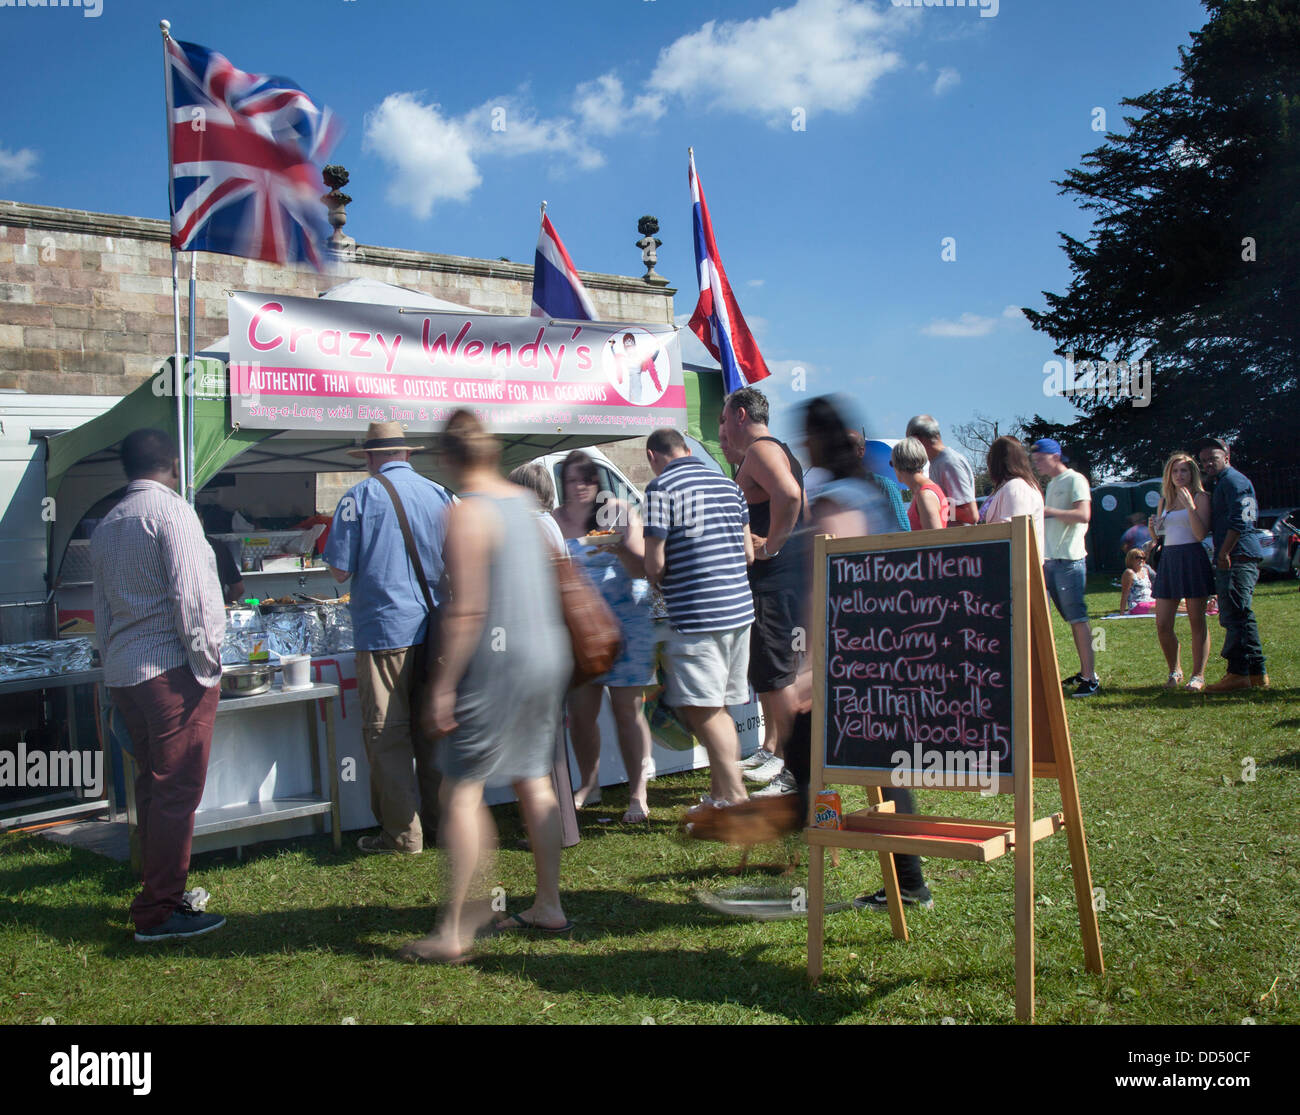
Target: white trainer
(765,771)
(781,785)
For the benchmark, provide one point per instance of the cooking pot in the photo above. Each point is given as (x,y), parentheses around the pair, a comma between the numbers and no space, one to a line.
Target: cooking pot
(246,681)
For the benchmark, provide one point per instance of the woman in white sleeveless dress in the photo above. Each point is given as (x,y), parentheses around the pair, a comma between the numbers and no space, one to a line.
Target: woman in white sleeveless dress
(1184,573)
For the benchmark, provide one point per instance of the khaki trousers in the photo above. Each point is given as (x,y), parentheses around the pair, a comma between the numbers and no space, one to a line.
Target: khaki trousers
(403,780)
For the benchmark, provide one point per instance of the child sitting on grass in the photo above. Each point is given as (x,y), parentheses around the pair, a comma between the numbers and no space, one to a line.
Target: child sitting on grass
(1135,591)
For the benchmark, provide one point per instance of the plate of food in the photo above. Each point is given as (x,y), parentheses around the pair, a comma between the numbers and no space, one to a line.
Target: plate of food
(599,538)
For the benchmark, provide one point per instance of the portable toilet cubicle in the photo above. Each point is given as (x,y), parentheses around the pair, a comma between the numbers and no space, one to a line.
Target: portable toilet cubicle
(1112,504)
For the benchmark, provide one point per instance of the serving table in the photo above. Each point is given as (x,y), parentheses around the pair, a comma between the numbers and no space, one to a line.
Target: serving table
(30,814)
(259,775)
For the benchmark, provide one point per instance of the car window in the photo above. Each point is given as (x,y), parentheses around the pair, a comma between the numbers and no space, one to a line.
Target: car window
(611,482)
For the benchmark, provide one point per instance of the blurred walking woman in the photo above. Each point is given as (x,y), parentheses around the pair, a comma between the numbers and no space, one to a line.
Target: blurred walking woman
(1183,517)
(505,663)
(617,569)
(854,503)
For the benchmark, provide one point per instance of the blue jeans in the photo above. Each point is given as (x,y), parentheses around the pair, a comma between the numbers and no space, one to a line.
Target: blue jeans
(1241,645)
(1066,581)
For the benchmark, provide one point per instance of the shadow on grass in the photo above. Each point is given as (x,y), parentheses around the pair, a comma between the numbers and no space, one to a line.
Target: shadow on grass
(79,865)
(714,975)
(1291,760)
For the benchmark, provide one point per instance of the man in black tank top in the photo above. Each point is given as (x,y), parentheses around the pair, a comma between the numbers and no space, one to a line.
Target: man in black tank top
(772,482)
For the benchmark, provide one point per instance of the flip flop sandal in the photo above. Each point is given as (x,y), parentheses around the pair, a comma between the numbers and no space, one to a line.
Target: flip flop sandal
(516,924)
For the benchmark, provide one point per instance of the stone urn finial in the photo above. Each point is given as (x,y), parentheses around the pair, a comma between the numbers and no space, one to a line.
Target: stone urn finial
(647,226)
(336,201)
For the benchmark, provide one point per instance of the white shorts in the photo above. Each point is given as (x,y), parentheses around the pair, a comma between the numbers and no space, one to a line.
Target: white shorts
(708,669)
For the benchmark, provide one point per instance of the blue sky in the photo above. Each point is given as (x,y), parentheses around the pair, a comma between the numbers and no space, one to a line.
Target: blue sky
(918,124)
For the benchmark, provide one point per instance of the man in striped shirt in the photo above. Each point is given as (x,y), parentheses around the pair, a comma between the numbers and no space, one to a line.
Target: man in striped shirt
(698,550)
(159,621)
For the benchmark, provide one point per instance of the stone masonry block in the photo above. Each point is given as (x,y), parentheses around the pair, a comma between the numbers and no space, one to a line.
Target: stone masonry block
(146,284)
(93,363)
(15,292)
(28,359)
(12,313)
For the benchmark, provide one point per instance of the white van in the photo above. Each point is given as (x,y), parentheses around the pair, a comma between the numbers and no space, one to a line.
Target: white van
(611,478)
(673,749)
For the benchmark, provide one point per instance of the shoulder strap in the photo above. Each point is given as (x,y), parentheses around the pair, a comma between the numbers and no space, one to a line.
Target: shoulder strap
(408,538)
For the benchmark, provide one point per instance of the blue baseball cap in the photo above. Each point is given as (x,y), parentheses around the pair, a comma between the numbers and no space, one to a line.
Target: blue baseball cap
(1046,445)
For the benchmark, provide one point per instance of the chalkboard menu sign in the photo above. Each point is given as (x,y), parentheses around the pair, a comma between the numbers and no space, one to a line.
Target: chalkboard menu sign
(918,661)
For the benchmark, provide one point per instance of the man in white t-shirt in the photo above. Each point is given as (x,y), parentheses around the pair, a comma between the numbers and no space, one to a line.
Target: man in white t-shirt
(1067,509)
(949,469)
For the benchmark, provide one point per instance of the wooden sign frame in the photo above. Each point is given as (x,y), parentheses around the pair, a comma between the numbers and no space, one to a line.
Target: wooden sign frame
(1040,749)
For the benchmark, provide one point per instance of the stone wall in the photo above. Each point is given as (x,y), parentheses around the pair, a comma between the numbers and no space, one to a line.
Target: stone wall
(86,298)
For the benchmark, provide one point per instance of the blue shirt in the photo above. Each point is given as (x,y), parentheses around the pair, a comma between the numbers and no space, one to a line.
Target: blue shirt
(388,609)
(1233,507)
(702,517)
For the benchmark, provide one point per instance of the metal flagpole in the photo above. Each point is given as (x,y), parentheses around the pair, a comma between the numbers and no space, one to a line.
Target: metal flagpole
(190,387)
(178,372)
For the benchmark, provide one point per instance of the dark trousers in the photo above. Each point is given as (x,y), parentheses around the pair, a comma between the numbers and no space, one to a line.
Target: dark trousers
(1241,645)
(563,786)
(170,720)
(798,761)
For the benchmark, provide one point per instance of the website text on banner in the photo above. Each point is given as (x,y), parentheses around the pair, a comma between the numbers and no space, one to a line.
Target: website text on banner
(307,364)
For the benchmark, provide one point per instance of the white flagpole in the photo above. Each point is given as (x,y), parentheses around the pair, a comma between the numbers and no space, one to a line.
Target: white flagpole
(178,372)
(189,433)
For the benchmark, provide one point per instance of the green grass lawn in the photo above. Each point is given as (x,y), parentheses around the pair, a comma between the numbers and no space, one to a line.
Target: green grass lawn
(1199,861)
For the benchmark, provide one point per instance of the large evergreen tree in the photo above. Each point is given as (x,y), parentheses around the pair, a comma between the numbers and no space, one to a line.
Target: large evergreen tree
(1193,261)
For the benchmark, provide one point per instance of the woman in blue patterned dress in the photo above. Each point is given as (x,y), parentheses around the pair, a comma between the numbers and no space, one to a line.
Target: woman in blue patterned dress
(617,570)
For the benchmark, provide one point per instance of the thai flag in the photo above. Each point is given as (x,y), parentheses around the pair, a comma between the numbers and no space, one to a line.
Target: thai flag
(557,290)
(244,150)
(717,320)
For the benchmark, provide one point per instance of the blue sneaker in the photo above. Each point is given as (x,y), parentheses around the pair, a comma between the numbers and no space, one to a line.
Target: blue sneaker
(184,922)
(878,901)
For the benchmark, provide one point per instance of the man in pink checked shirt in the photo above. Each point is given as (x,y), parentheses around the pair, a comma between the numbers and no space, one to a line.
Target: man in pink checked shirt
(159,621)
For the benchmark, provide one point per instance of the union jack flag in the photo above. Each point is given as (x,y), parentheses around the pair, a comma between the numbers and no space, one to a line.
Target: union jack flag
(244,149)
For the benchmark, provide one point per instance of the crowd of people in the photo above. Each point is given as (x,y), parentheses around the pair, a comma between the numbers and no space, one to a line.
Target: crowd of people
(464,665)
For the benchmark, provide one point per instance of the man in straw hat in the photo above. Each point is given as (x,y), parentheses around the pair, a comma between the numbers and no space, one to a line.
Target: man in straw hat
(390,621)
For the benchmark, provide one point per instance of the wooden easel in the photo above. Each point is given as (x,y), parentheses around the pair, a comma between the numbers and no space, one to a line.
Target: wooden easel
(1040,747)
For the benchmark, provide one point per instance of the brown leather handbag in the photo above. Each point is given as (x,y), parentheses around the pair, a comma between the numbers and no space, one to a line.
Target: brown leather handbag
(593,631)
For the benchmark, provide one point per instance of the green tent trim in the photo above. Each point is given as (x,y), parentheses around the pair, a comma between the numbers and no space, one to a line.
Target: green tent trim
(82,466)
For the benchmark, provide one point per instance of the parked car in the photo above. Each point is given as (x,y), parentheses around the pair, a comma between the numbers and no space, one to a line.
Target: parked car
(1279,529)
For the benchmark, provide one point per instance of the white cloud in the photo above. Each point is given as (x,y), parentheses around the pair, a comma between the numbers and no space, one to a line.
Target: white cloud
(1015,314)
(755,282)
(948,78)
(431,155)
(603,110)
(968,325)
(17,166)
(435,157)
(818,55)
